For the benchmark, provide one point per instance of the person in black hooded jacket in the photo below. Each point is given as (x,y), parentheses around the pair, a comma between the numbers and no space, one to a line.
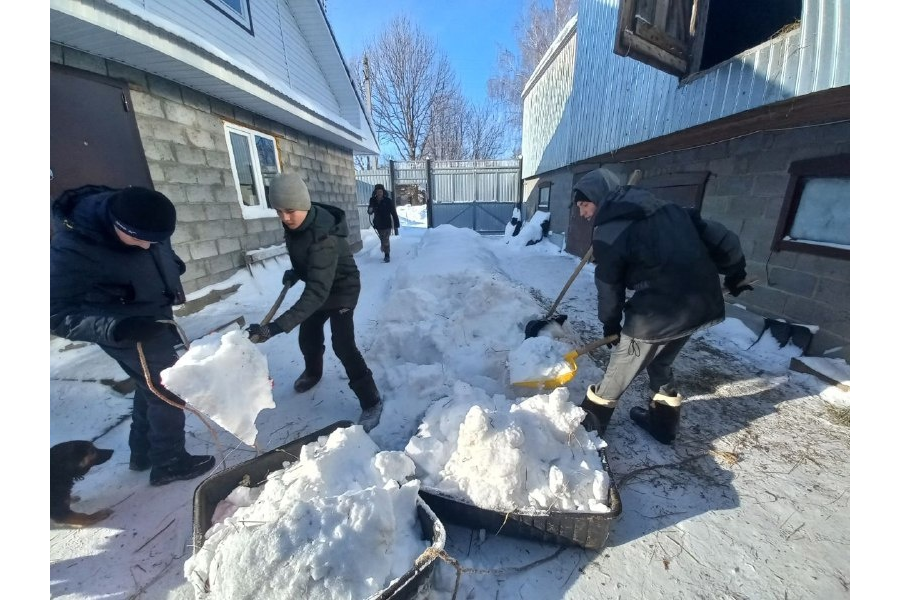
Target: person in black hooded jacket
(114,278)
(671,258)
(315,236)
(384,218)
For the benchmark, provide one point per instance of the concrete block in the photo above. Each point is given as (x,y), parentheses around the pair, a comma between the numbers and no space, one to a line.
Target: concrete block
(227,245)
(164,88)
(218,107)
(770,184)
(833,293)
(217,159)
(158,151)
(195,99)
(773,160)
(734,185)
(161,130)
(209,176)
(177,112)
(173,191)
(201,250)
(157,173)
(206,140)
(792,281)
(188,213)
(137,79)
(176,173)
(84,61)
(202,195)
(832,268)
(187,155)
(764,299)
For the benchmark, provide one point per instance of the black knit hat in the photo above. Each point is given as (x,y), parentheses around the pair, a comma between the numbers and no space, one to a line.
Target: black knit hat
(143,214)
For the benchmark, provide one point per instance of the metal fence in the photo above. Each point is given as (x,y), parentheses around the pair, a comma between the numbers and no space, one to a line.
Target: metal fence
(476,194)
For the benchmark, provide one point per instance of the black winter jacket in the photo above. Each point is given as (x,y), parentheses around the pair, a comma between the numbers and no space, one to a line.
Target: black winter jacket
(96,280)
(321,257)
(384,213)
(668,255)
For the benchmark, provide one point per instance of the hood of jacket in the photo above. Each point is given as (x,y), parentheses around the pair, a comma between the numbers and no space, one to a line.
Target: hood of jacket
(323,219)
(86,211)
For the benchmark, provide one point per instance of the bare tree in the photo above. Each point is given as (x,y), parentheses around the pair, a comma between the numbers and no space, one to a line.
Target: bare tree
(409,76)
(485,132)
(535,31)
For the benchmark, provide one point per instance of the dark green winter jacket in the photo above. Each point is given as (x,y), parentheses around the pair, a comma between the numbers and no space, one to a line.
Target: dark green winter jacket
(321,257)
(667,254)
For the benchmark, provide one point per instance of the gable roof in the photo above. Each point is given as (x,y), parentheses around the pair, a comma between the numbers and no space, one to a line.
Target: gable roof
(317,97)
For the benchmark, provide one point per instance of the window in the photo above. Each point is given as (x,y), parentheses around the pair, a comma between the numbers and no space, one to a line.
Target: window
(254,161)
(682,37)
(236,10)
(544,205)
(815,217)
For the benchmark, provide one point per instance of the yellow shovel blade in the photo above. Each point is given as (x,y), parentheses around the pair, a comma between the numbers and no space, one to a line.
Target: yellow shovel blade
(553,382)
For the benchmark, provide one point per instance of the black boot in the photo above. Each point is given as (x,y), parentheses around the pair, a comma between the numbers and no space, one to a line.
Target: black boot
(369,400)
(661,418)
(139,462)
(311,375)
(182,467)
(599,411)
(387,257)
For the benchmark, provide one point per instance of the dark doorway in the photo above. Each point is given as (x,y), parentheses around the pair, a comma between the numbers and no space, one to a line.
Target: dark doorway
(733,26)
(93,133)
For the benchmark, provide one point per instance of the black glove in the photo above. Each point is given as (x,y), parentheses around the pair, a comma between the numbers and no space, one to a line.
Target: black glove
(261,333)
(396,232)
(289,278)
(138,329)
(735,283)
(612,330)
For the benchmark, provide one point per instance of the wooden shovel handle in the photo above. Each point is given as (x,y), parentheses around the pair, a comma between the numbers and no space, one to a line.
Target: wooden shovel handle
(566,287)
(595,344)
(275,306)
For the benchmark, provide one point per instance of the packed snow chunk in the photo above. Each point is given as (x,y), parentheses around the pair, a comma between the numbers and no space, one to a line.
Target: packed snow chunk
(530,456)
(339,523)
(538,358)
(225,377)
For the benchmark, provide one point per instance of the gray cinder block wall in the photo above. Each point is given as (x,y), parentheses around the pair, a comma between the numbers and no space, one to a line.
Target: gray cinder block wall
(183,135)
(745,191)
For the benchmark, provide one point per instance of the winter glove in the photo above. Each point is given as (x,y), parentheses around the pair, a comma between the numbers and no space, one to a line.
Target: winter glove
(138,329)
(261,333)
(289,278)
(615,330)
(396,232)
(736,283)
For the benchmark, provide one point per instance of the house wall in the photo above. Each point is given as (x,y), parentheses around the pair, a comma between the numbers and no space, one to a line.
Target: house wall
(617,101)
(183,135)
(745,192)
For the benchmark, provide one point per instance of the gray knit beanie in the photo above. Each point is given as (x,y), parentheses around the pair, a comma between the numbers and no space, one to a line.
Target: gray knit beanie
(288,192)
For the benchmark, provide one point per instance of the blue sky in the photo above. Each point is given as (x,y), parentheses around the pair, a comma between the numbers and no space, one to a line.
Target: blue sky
(470,32)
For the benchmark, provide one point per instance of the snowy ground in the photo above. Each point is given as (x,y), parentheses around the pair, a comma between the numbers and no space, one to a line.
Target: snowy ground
(751,502)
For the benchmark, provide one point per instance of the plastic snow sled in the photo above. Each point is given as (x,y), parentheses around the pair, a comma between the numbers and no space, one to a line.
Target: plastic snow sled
(564,528)
(413,584)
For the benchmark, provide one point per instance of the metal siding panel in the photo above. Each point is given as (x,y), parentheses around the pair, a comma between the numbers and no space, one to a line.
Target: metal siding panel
(841,50)
(792,57)
(811,32)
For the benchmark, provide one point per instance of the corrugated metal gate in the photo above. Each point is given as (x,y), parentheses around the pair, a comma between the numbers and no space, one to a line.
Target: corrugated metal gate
(475,194)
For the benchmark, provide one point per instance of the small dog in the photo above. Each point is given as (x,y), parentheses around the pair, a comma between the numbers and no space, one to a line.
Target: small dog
(69,462)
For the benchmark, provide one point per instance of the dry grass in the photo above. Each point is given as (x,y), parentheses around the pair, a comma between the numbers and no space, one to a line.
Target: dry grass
(839,415)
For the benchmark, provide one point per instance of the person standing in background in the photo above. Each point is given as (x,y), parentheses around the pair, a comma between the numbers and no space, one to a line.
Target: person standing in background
(384,218)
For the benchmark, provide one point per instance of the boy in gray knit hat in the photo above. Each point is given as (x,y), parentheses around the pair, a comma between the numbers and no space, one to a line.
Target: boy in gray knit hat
(315,235)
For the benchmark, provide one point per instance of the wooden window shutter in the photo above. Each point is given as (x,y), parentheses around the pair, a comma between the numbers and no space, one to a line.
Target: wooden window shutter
(661,33)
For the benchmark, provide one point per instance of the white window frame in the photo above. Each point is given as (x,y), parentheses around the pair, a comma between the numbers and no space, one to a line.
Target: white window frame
(261,210)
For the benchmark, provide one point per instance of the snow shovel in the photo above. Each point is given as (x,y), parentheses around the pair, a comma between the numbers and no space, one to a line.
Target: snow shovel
(564,378)
(534,327)
(274,308)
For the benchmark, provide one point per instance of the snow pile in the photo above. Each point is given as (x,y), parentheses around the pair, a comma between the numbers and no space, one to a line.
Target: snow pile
(538,358)
(339,523)
(208,374)
(530,233)
(531,455)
